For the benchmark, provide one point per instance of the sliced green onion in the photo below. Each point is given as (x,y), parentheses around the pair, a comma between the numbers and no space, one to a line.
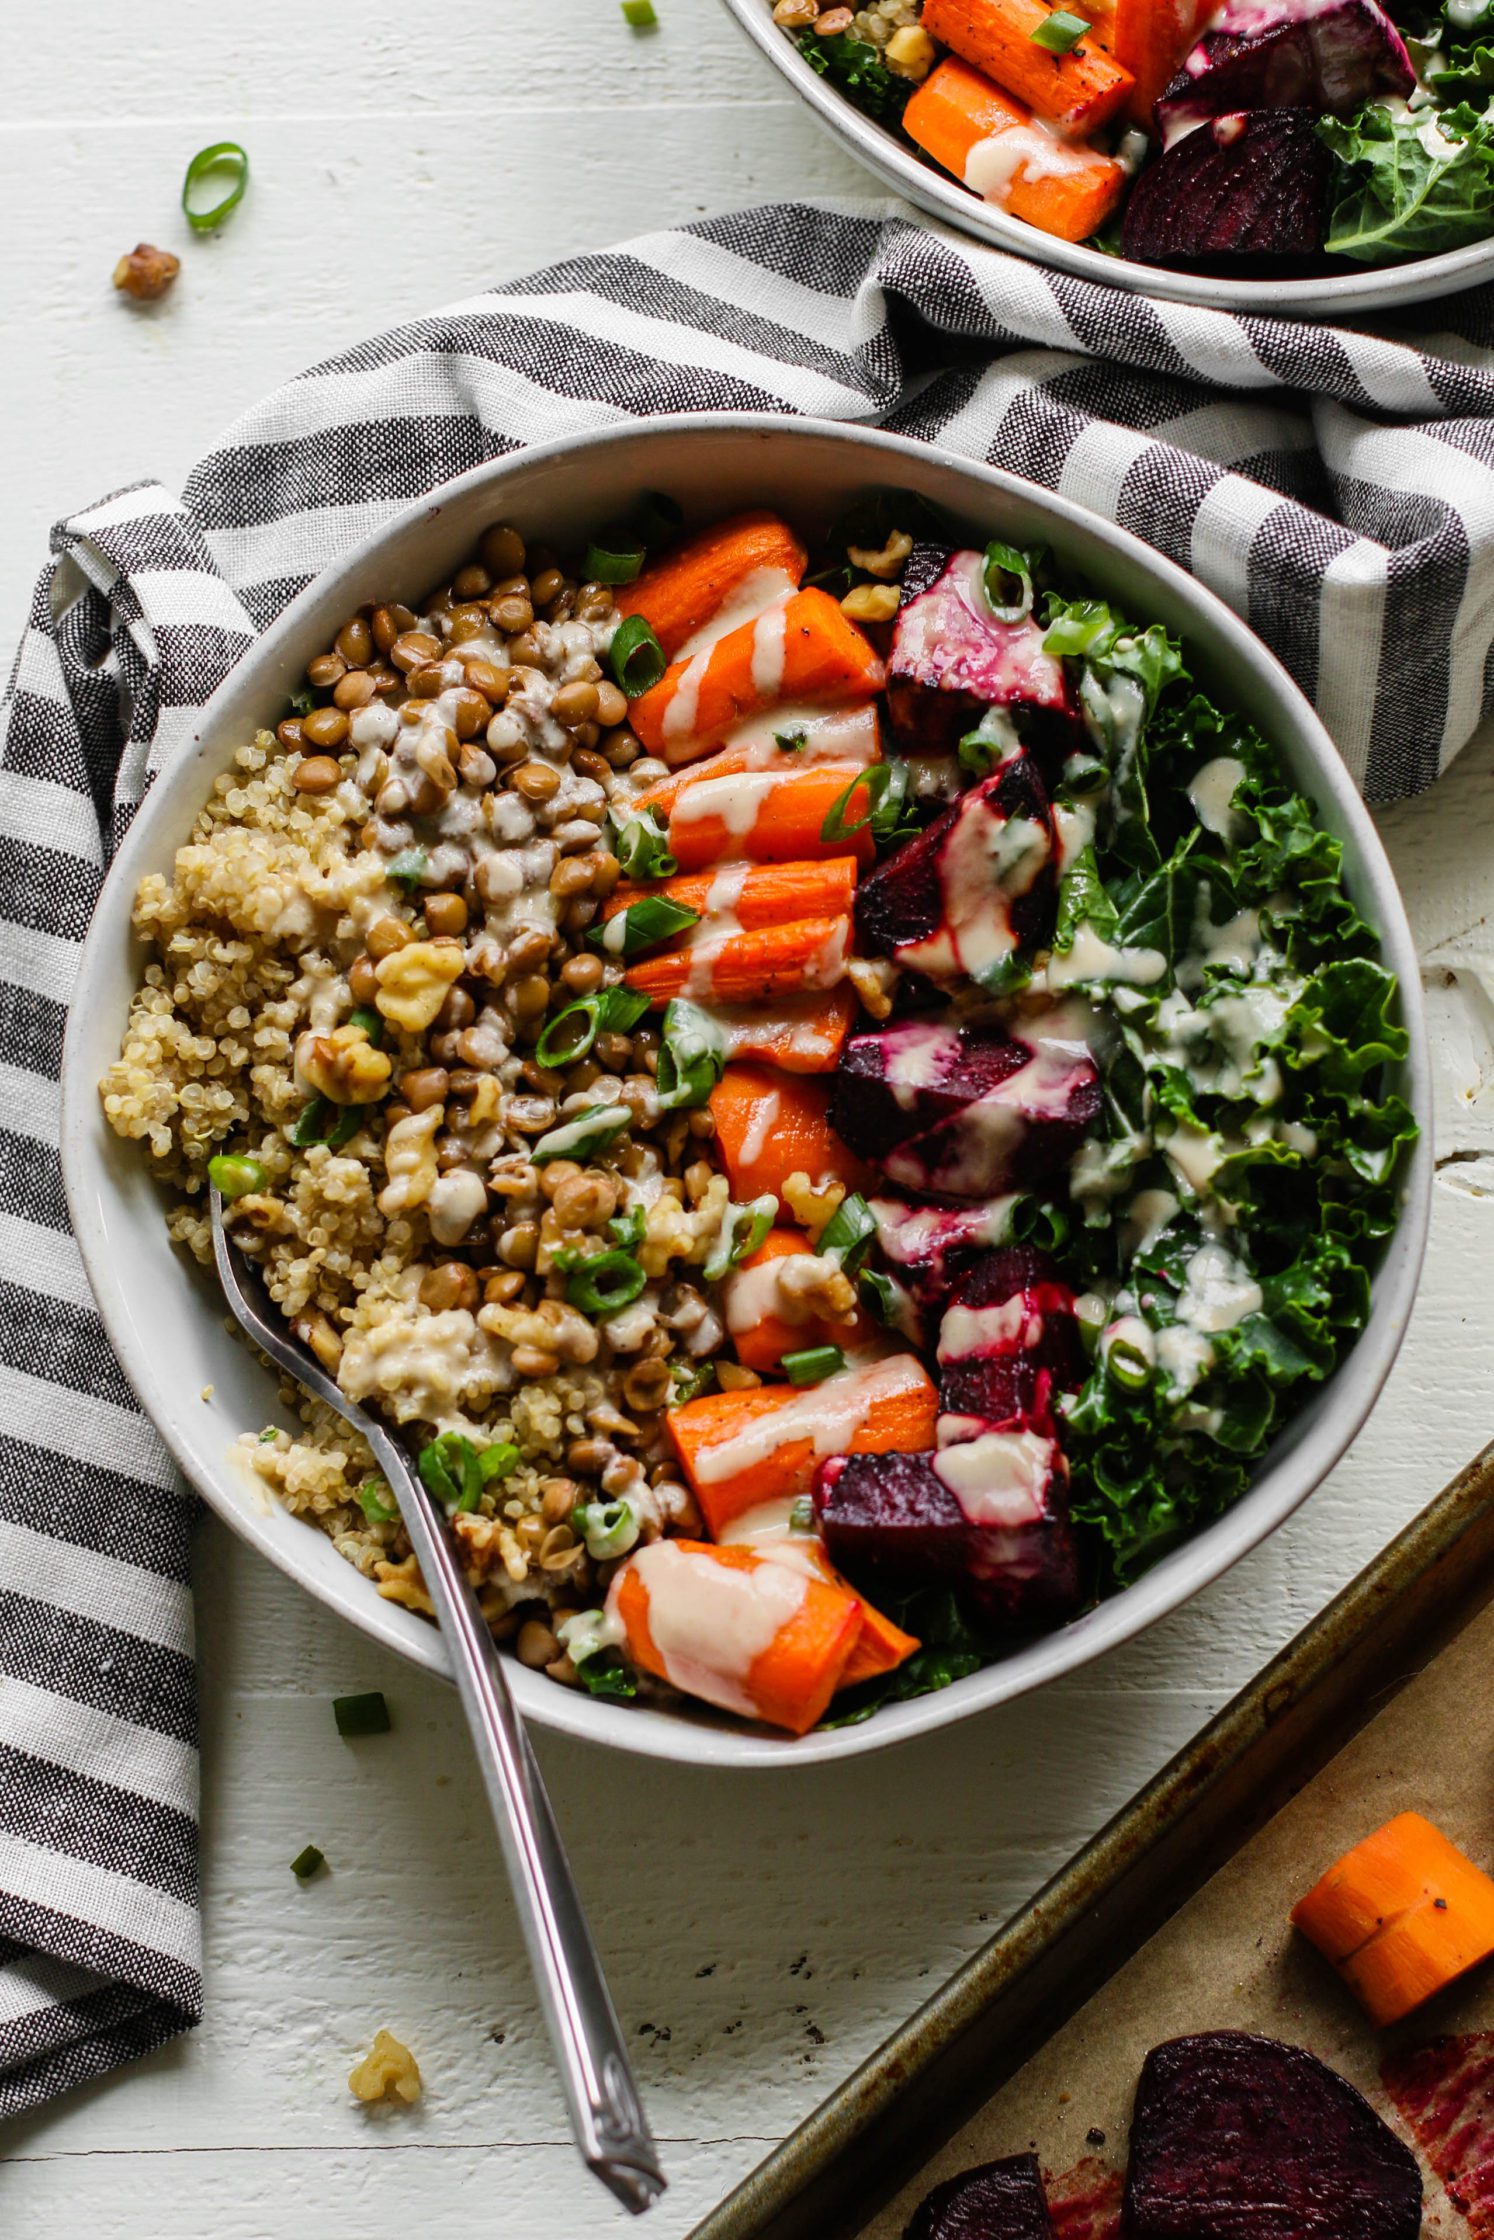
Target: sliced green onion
(609,1529)
(801,1515)
(302,703)
(608,1674)
(312,1124)
(305,1863)
(643,925)
(628,1227)
(619,560)
(1128,1365)
(234,1175)
(370,1021)
(591,1131)
(636,656)
(605,1283)
(373,1499)
(1008,573)
(500,1460)
(640,14)
(362,1714)
(658,517)
(691,1379)
(813,1365)
(692,1055)
(889,1301)
(409,867)
(791,742)
(837,826)
(743,1229)
(226,156)
(606,1010)
(849,1233)
(449,1469)
(270,1432)
(1061,32)
(643,848)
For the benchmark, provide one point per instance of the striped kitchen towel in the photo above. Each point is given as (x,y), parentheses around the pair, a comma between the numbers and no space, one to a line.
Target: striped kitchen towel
(1336,488)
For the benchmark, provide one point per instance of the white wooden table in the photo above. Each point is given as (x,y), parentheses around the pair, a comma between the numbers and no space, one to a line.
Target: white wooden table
(762,1933)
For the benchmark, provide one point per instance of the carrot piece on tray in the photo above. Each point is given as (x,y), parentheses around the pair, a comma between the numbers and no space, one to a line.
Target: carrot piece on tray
(759,1308)
(687,588)
(991,142)
(768,961)
(770,1125)
(727,1626)
(771,816)
(797,650)
(1400,1916)
(1079,90)
(770,894)
(848,736)
(741,1449)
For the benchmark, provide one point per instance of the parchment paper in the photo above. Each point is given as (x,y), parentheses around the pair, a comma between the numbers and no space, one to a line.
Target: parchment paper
(1229,1959)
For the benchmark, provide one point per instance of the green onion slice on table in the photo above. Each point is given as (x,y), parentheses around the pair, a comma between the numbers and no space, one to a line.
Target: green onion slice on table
(362,1714)
(224,158)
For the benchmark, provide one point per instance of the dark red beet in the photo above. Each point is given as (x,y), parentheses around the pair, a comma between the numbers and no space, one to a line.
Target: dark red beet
(1236,2137)
(989,1519)
(1274,57)
(1008,1342)
(963,1112)
(931,1246)
(1251,184)
(951,660)
(999,2201)
(979,884)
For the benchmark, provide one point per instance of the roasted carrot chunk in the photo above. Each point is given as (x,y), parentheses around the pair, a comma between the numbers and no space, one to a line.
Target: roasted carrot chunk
(1079,90)
(735,967)
(770,894)
(802,649)
(989,140)
(757,1307)
(771,816)
(1400,1916)
(741,1449)
(770,1125)
(1149,38)
(881,1646)
(847,735)
(680,593)
(727,1626)
(800,1034)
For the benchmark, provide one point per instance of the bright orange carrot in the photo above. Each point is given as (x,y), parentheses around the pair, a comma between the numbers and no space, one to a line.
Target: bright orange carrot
(1078,90)
(989,140)
(880,1647)
(1149,38)
(741,1449)
(800,650)
(693,1615)
(846,735)
(770,1125)
(770,894)
(680,593)
(802,1034)
(770,816)
(768,961)
(1400,1916)
(759,1317)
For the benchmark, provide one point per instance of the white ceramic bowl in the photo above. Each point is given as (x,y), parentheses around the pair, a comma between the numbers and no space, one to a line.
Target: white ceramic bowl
(163,1315)
(1343,295)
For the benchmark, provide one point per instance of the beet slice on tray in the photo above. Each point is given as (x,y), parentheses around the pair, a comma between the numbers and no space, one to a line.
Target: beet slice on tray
(962,897)
(1334,57)
(951,660)
(1250,184)
(1008,1342)
(963,1112)
(998,2201)
(1236,2137)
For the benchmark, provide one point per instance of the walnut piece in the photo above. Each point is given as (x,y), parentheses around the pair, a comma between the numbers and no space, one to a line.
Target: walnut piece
(146,272)
(413,981)
(344,1065)
(388,2071)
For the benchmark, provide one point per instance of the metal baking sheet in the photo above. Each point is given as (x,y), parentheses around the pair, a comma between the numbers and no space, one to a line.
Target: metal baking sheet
(889,2119)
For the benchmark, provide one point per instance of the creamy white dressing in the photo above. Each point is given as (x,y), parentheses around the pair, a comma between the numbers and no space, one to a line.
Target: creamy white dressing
(1211,790)
(1021,155)
(828,1415)
(763,587)
(760,1126)
(1000,1479)
(908,1234)
(710,1622)
(917,1057)
(734,800)
(1092,958)
(965,1331)
(987,862)
(1218,1291)
(770,650)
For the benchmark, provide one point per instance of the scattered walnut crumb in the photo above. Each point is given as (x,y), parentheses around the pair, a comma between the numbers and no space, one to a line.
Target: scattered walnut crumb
(146,272)
(388,2071)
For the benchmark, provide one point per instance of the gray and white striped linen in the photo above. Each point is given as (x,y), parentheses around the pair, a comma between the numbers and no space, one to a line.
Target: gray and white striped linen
(1336,488)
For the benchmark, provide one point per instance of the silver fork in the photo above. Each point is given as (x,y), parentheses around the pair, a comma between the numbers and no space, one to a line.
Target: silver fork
(607,2118)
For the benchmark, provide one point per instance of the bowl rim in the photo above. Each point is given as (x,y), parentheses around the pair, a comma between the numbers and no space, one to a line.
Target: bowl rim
(694,1739)
(1376,288)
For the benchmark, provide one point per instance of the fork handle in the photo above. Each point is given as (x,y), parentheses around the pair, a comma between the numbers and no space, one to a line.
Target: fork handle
(607,2118)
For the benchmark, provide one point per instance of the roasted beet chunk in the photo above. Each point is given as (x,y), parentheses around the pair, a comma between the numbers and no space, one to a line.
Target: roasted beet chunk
(1235,2137)
(964,1112)
(963,898)
(988,1518)
(931,1246)
(999,2201)
(1008,1342)
(951,660)
(1251,184)
(1333,57)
